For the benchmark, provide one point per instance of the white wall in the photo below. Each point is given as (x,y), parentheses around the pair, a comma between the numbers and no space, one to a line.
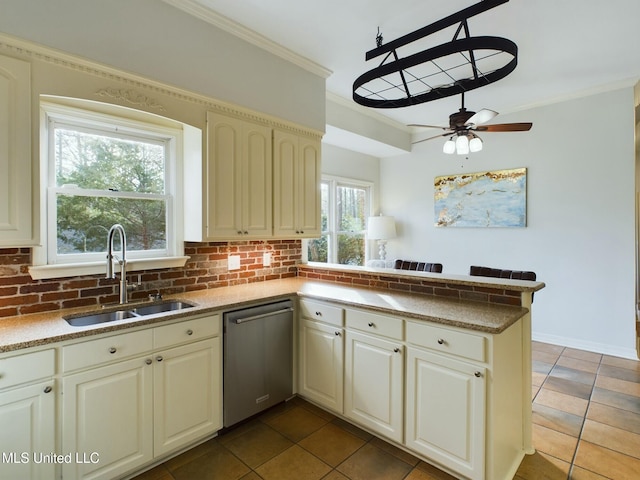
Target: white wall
(580,237)
(160,42)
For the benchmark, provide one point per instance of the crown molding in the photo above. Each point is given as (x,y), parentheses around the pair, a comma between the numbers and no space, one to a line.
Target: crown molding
(192,7)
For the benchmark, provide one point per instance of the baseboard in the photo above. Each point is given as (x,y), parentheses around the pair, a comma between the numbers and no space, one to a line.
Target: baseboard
(584,345)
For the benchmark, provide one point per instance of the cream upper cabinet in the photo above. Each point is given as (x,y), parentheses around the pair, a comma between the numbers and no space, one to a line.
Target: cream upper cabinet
(296,185)
(17,225)
(238,179)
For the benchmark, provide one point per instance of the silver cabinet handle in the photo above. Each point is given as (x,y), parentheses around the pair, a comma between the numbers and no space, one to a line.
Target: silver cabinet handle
(148,361)
(189,332)
(159,358)
(48,389)
(441,341)
(113,350)
(478,374)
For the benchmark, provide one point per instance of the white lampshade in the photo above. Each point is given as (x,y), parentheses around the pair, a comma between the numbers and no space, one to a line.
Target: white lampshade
(475,145)
(381,228)
(449,147)
(462,145)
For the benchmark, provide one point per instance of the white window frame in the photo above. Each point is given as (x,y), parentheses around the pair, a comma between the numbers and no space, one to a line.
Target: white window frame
(332,223)
(129,123)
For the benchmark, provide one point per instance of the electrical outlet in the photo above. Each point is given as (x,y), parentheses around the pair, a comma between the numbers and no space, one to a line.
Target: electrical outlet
(266,259)
(234,262)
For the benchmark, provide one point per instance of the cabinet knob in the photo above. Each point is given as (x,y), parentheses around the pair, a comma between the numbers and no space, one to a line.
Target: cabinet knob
(239,232)
(371,324)
(396,350)
(338,334)
(318,314)
(441,341)
(159,358)
(301,231)
(478,374)
(48,389)
(148,361)
(113,350)
(189,332)
(246,232)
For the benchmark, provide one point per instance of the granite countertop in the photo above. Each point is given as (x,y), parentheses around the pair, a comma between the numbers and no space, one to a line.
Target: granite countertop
(26,331)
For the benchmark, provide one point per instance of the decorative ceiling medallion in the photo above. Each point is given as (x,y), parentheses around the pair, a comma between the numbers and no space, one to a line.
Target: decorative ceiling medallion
(130,96)
(461,65)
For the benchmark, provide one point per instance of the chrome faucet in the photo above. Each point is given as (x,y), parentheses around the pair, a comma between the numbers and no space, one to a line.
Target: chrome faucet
(122,261)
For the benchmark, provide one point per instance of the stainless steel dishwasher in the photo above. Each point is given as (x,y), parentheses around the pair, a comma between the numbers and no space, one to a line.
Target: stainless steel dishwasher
(258,359)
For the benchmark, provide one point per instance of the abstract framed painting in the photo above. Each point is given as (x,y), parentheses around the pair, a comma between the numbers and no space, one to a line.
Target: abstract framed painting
(484,199)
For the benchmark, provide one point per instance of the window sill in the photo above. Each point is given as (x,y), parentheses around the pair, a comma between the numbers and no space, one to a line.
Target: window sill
(41,272)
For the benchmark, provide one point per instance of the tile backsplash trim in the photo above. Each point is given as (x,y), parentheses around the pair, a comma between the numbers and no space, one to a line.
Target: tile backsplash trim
(206,268)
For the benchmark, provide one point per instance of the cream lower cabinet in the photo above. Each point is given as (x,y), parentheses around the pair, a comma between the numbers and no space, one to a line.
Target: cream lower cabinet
(446,411)
(27,415)
(122,415)
(374,384)
(321,350)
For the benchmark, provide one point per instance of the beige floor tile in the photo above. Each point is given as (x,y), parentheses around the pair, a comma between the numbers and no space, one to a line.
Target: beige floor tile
(616,399)
(608,463)
(258,445)
(612,438)
(561,401)
(430,471)
(615,417)
(332,444)
(621,362)
(578,473)
(582,355)
(293,464)
(191,455)
(556,444)
(547,347)
(617,385)
(372,463)
(545,357)
(296,423)
(541,466)
(557,420)
(569,387)
(395,451)
(578,364)
(572,374)
(537,379)
(218,464)
(620,373)
(349,427)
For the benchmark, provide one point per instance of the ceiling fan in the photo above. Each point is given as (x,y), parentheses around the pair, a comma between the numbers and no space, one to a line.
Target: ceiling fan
(462,127)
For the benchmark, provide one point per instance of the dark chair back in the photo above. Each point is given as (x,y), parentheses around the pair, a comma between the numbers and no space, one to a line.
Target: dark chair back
(499,273)
(418,266)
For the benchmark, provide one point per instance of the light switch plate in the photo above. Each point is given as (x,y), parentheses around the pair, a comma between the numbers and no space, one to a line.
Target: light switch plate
(234,262)
(266,259)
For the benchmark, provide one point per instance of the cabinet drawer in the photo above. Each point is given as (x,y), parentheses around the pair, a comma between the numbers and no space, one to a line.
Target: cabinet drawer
(187,331)
(321,312)
(102,350)
(26,368)
(445,340)
(391,327)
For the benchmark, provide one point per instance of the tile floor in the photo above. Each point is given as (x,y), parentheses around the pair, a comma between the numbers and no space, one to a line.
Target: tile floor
(586,414)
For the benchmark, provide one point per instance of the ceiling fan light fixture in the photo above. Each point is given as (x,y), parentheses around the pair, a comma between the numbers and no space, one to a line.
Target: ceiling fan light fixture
(462,145)
(449,146)
(475,144)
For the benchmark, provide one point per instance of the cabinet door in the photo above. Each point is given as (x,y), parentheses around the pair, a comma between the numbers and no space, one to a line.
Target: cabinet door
(187,394)
(16,202)
(296,186)
(108,413)
(257,191)
(446,411)
(374,384)
(322,364)
(27,419)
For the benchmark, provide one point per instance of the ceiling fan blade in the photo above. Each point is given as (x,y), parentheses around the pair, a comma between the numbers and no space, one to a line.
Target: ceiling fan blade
(505,127)
(431,138)
(428,126)
(483,116)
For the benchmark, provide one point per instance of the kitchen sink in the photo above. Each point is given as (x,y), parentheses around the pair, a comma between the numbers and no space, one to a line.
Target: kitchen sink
(94,318)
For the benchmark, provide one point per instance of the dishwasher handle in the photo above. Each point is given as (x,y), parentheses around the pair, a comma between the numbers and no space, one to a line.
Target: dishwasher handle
(262,315)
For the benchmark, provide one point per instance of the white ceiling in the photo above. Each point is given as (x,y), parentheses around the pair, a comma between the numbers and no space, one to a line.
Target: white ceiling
(567,48)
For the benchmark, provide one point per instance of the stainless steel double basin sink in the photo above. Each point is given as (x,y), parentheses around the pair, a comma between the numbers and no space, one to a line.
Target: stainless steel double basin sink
(94,318)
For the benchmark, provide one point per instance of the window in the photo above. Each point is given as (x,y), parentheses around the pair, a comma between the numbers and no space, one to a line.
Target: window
(345,208)
(100,169)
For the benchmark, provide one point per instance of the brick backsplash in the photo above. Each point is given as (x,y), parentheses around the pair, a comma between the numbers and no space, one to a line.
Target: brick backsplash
(412,285)
(206,268)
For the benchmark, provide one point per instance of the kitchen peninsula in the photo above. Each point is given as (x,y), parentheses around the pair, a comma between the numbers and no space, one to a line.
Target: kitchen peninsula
(469,334)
